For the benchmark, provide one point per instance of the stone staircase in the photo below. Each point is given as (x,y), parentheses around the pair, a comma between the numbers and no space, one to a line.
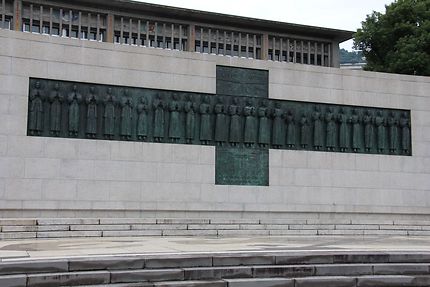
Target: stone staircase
(295,269)
(125,227)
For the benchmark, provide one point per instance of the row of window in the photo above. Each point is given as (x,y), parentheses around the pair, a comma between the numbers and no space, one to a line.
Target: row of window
(138,32)
(65,32)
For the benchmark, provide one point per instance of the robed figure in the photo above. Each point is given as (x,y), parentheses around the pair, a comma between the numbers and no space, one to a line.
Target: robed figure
(405,125)
(158,107)
(250,132)
(291,130)
(380,129)
(36,111)
(278,126)
(264,125)
(190,119)
(318,128)
(235,113)
(331,129)
(304,131)
(356,127)
(126,116)
(55,100)
(368,122)
(343,130)
(205,122)
(142,120)
(109,115)
(74,99)
(221,128)
(175,119)
(92,115)
(392,124)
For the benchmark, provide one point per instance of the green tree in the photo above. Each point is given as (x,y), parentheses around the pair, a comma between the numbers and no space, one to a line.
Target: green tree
(352,57)
(399,40)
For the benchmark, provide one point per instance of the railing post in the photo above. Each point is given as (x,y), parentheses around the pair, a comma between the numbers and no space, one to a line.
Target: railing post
(265,47)
(17,15)
(110,28)
(191,38)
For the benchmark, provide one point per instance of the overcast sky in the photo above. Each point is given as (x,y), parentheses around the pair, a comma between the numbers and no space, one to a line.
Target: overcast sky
(338,14)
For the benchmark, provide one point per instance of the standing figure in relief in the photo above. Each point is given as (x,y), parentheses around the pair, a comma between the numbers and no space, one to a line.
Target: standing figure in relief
(221,129)
(235,113)
(190,119)
(36,111)
(109,115)
(126,116)
(74,99)
(368,122)
(331,129)
(264,125)
(380,123)
(343,130)
(56,100)
(356,127)
(158,106)
(175,119)
(291,130)
(278,126)
(318,128)
(304,131)
(250,133)
(405,125)
(205,121)
(142,120)
(91,102)
(392,124)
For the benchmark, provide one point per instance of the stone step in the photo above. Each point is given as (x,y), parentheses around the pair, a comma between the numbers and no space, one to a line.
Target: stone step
(313,274)
(198,266)
(124,227)
(327,281)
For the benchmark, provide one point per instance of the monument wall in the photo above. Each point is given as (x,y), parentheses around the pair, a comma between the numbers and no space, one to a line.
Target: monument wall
(62,177)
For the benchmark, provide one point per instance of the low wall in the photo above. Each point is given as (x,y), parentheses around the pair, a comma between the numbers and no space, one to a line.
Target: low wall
(52,177)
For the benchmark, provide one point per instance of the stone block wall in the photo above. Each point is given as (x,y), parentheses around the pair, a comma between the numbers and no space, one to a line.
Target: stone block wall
(49,177)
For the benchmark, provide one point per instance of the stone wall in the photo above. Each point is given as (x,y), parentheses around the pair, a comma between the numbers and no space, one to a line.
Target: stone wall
(49,177)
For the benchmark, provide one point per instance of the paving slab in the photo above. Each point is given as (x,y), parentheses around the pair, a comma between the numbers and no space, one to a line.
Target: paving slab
(261,282)
(147,275)
(218,273)
(392,281)
(13,281)
(192,284)
(334,281)
(117,263)
(69,278)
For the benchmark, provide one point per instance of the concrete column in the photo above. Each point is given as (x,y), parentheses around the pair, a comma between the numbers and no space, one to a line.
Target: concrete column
(110,28)
(335,61)
(191,38)
(265,47)
(17,15)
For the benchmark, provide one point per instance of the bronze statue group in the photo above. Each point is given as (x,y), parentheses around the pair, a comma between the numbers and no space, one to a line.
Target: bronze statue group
(172,117)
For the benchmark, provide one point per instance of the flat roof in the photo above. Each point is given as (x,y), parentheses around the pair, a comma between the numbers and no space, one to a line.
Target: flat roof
(191,15)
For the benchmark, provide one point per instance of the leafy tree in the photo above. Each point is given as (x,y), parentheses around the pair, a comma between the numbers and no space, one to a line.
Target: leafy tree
(351,57)
(399,40)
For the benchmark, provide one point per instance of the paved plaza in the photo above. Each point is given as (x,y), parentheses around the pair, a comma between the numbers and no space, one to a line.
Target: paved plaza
(95,247)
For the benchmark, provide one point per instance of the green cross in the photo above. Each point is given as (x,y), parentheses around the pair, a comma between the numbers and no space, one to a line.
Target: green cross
(242,166)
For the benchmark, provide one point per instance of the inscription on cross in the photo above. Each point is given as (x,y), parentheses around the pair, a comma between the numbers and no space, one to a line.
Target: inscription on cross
(240,120)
